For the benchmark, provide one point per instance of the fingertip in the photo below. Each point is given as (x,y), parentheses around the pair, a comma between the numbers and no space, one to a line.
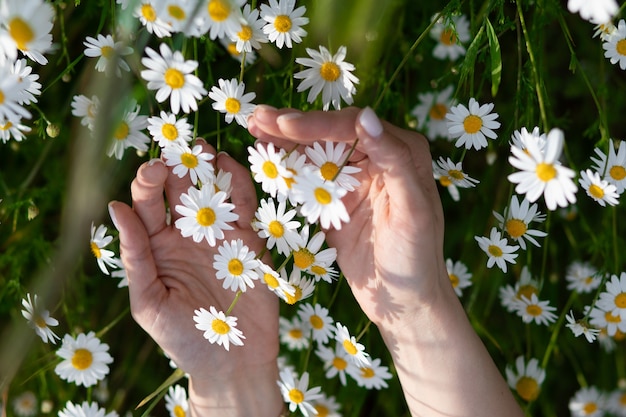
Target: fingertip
(370,123)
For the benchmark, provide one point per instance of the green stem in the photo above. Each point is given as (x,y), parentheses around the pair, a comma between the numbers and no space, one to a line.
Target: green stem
(557,328)
(232,305)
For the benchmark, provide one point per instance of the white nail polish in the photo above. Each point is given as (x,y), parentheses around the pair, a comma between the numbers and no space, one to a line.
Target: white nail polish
(112,215)
(370,122)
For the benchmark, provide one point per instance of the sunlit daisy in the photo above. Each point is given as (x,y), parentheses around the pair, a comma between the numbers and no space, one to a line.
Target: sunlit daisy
(250,33)
(498,249)
(28,85)
(193,161)
(13,130)
(323,273)
(229,98)
(326,406)
(605,320)
(274,281)
(99,240)
(39,319)
(520,138)
(587,402)
(613,168)
(205,214)
(166,129)
(580,327)
(582,277)
(284,23)
(310,254)
(296,392)
(472,125)
(534,310)
(294,162)
(604,30)
(179,16)
(236,265)
(616,402)
(293,333)
(266,165)
(277,226)
(11,95)
(220,18)
(331,164)
(85,359)
(86,108)
(355,350)
(327,74)
(542,174)
(248,58)
(526,378)
(218,328)
(25,25)
(450,35)
(318,321)
(598,189)
(516,219)
(172,76)
(613,299)
(148,11)
(371,376)
(335,361)
(615,45)
(460,277)
(85,410)
(176,401)
(597,11)
(25,404)
(109,53)
(431,112)
(450,174)
(303,287)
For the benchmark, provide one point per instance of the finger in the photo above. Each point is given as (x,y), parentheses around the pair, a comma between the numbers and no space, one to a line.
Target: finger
(147,195)
(243,194)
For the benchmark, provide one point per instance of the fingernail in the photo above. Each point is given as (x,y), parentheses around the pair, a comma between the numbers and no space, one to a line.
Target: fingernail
(264,113)
(112,215)
(370,122)
(287,117)
(155,161)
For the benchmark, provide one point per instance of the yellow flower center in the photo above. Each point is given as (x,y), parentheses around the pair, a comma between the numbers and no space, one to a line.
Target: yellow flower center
(95,250)
(189,160)
(220,326)
(303,258)
(316,322)
(621,47)
(7,125)
(176,12)
(472,124)
(297,295)
(322,196)
(367,372)
(107,51)
(445,181)
(330,71)
(620,300)
(296,396)
(619,335)
(318,270)
(340,363)
(276,229)
(527,291)
(40,322)
(82,359)
(174,78)
(610,318)
(178,411)
(235,267)
(295,333)
(494,251)
(527,388)
(447,37)
(169,131)
(349,347)
(456,174)
(454,280)
(617,172)
(232,105)
(438,111)
(219,10)
(270,280)
(245,34)
(21,33)
(329,170)
(322,410)
(545,172)
(232,49)
(622,399)
(205,216)
(269,169)
(282,23)
(122,131)
(596,191)
(148,12)
(590,408)
(534,310)
(515,228)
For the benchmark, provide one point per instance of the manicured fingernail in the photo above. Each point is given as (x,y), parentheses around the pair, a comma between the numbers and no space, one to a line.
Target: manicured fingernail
(287,117)
(155,161)
(264,113)
(112,215)
(370,122)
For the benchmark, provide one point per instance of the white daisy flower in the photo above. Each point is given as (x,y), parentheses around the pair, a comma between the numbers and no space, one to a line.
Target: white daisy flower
(86,108)
(597,11)
(336,362)
(309,254)
(172,76)
(601,319)
(229,98)
(604,30)
(128,133)
(331,163)
(615,45)
(526,286)
(616,402)
(277,226)
(85,359)
(121,275)
(450,36)
(516,219)
(296,392)
(25,404)
(192,161)
(99,240)
(532,309)
(327,74)
(109,53)
(220,18)
(223,182)
(295,163)
(176,401)
(355,350)
(325,273)
(613,168)
(587,402)
(179,16)
(302,286)
(520,138)
(248,58)
(541,173)
(318,321)
(274,281)
(579,327)
(218,328)
(10,129)
(148,12)
(284,23)
(236,265)
(526,379)
(25,26)
(29,87)
(326,406)
(460,277)
(268,169)
(250,33)
(166,129)
(11,95)
(85,410)
(613,299)
(582,277)
(205,214)
(447,171)
(598,189)
(371,376)
(431,112)
(498,249)
(472,124)
(293,333)
(39,319)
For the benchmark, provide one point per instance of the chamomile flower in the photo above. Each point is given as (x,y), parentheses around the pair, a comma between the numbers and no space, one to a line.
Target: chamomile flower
(229,98)
(371,376)
(99,240)
(293,333)
(327,74)
(542,174)
(613,168)
(310,254)
(274,281)
(296,392)
(13,130)
(355,350)
(498,249)
(86,108)
(25,26)
(250,34)
(613,299)
(450,37)
(578,328)
(330,162)
(616,402)
(176,401)
(336,362)
(277,226)
(109,53)
(472,125)
(602,319)
(587,402)
(25,404)
(598,11)
(615,45)
(193,161)
(294,162)
(248,58)
(205,214)
(218,328)
(598,189)
(266,165)
(128,133)
(179,16)
(284,23)
(516,221)
(166,129)
(448,171)
(431,112)
(222,181)
(302,286)
(526,286)
(148,12)
(520,138)
(321,200)
(28,85)
(534,310)
(172,76)
(85,359)
(582,277)
(526,378)
(326,406)
(323,273)
(236,265)
(85,410)
(318,321)
(11,94)
(39,319)
(220,18)
(460,277)
(604,30)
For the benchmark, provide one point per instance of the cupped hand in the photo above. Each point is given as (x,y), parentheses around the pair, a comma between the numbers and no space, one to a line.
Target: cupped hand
(391,251)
